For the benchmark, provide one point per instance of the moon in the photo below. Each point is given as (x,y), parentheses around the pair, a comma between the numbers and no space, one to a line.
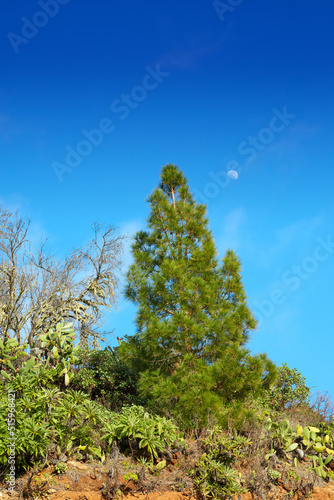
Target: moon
(233,174)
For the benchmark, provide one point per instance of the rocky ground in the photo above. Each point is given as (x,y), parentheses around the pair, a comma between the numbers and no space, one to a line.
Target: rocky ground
(122,477)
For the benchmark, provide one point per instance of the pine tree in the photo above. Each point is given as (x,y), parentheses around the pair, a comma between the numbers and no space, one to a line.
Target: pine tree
(192,315)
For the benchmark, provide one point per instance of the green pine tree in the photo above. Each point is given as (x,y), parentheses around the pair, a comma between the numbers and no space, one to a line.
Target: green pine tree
(193,321)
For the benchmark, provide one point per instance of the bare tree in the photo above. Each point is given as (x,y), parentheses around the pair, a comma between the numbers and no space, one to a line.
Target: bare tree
(38,291)
(322,403)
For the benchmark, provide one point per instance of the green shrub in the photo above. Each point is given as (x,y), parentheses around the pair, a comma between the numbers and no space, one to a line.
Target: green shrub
(289,389)
(69,422)
(136,428)
(45,416)
(214,475)
(105,378)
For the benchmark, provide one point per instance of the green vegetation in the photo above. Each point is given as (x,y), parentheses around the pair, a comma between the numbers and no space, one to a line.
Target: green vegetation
(105,378)
(289,389)
(193,321)
(186,373)
(214,474)
(70,423)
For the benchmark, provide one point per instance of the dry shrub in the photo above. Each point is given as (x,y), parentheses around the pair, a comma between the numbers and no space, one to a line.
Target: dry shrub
(303,415)
(259,438)
(255,476)
(323,405)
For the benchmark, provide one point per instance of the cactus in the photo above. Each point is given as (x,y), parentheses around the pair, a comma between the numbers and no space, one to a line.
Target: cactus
(313,439)
(319,465)
(56,346)
(10,351)
(60,344)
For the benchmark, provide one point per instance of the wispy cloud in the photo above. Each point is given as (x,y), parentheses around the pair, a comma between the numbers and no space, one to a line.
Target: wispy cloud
(283,239)
(15,202)
(285,145)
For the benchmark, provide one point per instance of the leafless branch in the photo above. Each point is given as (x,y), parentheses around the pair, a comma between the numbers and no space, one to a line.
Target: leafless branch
(37,290)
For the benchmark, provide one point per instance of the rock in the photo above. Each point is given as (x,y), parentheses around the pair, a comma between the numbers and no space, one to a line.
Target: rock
(78,465)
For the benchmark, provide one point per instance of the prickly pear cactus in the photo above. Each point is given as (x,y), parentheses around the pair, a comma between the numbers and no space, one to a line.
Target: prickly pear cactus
(10,351)
(318,445)
(58,349)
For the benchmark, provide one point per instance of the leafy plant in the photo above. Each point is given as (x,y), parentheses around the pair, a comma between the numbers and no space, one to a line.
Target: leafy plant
(150,440)
(140,430)
(282,435)
(106,378)
(46,416)
(214,475)
(273,474)
(132,477)
(60,468)
(10,352)
(289,389)
(58,349)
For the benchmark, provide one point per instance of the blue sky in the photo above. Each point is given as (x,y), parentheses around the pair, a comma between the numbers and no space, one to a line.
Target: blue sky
(96,97)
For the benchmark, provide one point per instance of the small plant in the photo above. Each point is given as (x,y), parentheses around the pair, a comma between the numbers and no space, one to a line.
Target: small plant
(143,461)
(273,474)
(319,465)
(161,465)
(37,485)
(292,474)
(131,477)
(61,468)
